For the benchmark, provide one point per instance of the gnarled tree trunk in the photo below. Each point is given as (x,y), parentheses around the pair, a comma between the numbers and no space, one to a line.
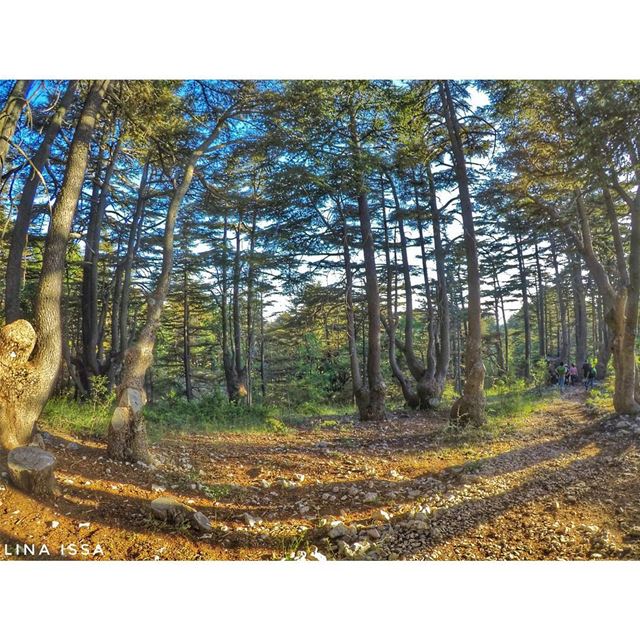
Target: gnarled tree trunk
(29,365)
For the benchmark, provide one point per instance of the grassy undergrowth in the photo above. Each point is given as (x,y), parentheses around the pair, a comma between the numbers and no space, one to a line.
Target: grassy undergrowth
(508,407)
(600,398)
(207,415)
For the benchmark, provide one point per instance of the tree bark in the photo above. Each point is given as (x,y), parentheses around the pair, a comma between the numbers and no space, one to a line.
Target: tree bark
(127,438)
(525,307)
(9,117)
(186,335)
(31,366)
(89,298)
(579,310)
(470,408)
(563,347)
(15,272)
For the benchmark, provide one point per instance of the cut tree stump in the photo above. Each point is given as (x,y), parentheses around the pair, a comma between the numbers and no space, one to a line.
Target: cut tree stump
(31,470)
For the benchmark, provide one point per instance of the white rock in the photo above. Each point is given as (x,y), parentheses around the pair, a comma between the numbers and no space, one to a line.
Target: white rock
(316,555)
(55,524)
(382,516)
(250,520)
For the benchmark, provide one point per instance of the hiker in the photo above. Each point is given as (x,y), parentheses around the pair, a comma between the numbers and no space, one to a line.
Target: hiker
(586,367)
(561,371)
(590,377)
(573,374)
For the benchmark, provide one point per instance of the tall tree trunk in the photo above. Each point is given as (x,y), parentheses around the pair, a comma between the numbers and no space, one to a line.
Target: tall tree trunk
(563,349)
(411,398)
(442,301)
(506,333)
(9,117)
(540,306)
(240,370)
(263,380)
(227,358)
(29,366)
(621,305)
(127,434)
(470,408)
(15,272)
(251,275)
(89,298)
(375,409)
(604,344)
(186,335)
(579,310)
(525,307)
(127,268)
(360,393)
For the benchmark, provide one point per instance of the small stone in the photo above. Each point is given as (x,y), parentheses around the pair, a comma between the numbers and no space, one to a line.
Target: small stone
(299,477)
(254,472)
(337,529)
(265,484)
(382,516)
(249,520)
(373,533)
(171,510)
(316,555)
(201,522)
(370,497)
(55,524)
(157,488)
(84,525)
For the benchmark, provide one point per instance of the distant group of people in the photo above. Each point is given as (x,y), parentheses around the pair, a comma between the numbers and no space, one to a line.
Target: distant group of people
(567,374)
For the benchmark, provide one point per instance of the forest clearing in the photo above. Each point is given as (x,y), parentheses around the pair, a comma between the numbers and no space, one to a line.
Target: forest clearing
(560,483)
(319,319)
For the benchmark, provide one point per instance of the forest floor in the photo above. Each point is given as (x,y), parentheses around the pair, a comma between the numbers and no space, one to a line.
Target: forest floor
(562,484)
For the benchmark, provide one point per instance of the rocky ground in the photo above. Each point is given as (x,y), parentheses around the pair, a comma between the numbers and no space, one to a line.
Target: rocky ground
(563,485)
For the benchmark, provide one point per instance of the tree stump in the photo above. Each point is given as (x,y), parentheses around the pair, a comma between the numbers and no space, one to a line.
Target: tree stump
(31,470)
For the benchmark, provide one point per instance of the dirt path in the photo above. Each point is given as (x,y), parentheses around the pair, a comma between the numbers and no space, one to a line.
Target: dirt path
(565,485)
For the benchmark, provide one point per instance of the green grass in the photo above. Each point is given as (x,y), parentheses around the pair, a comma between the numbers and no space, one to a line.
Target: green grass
(507,409)
(600,398)
(79,418)
(212,414)
(507,406)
